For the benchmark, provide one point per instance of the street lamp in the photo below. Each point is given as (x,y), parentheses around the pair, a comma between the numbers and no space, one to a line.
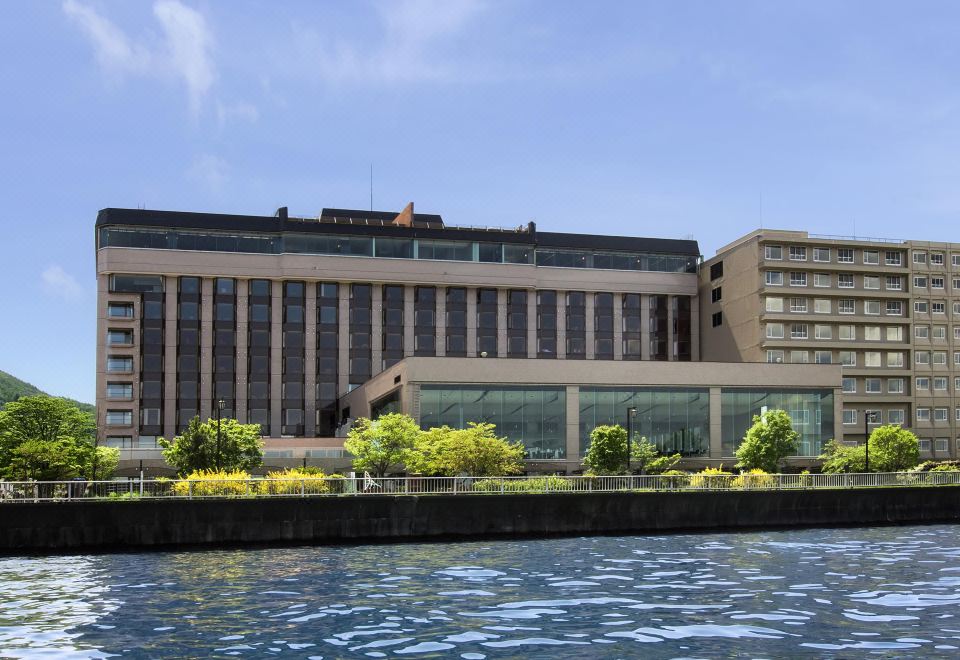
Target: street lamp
(631,413)
(220,405)
(868,416)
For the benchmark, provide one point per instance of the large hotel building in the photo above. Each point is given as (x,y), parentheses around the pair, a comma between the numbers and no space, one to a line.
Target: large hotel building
(303,324)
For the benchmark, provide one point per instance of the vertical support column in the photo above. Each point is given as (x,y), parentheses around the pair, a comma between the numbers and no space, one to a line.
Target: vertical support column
(716,423)
(310,360)
(103,293)
(532,323)
(694,329)
(670,337)
(502,302)
(206,348)
(573,426)
(838,413)
(441,320)
(170,357)
(471,322)
(276,358)
(618,326)
(590,333)
(376,329)
(240,365)
(343,340)
(644,327)
(409,320)
(561,325)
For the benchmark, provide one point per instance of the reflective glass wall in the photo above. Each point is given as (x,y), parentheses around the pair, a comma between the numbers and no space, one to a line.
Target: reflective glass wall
(535,416)
(810,410)
(676,420)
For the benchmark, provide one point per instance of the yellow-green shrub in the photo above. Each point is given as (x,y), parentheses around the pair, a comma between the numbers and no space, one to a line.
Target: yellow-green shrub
(534,485)
(675,479)
(755,478)
(290,481)
(212,483)
(711,478)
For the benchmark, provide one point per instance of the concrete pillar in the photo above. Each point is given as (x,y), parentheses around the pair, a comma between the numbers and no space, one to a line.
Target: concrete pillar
(276,358)
(343,339)
(242,313)
(531,323)
(671,349)
(591,326)
(561,325)
(409,320)
(441,320)
(644,327)
(376,329)
(618,326)
(716,423)
(838,414)
(573,426)
(310,360)
(471,322)
(503,297)
(170,357)
(206,348)
(694,329)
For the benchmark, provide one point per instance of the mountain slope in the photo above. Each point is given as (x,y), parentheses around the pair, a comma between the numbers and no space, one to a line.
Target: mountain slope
(12,388)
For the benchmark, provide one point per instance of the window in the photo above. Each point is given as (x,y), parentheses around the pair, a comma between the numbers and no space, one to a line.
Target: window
(939,332)
(717,319)
(871,307)
(939,357)
(925,444)
(956,384)
(936,282)
(716,295)
(821,306)
(923,415)
(872,359)
(936,258)
(774,331)
(919,257)
(847,332)
(799,357)
(120,310)
(775,356)
(871,282)
(940,384)
(871,256)
(848,358)
(895,416)
(821,254)
(119,418)
(922,357)
(956,358)
(798,279)
(119,337)
(956,332)
(872,385)
(921,384)
(119,390)
(798,304)
(956,284)
(871,333)
(798,331)
(845,255)
(955,260)
(895,386)
(848,385)
(895,359)
(716,271)
(845,280)
(774,278)
(956,309)
(774,304)
(846,306)
(921,331)
(894,333)
(893,258)
(939,414)
(894,283)
(939,308)
(117,364)
(894,308)
(823,331)
(921,306)
(849,417)
(821,280)
(940,444)
(956,415)
(823,357)
(798,253)
(773,252)
(920,282)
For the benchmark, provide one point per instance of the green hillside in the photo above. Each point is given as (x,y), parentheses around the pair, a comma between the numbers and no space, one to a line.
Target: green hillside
(12,388)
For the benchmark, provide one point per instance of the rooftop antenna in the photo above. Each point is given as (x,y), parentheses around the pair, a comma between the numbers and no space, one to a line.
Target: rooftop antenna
(371,186)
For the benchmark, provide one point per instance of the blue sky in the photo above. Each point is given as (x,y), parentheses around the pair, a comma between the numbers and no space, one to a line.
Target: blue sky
(673,118)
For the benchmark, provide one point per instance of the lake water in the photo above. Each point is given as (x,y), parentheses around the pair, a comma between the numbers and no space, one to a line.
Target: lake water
(878,592)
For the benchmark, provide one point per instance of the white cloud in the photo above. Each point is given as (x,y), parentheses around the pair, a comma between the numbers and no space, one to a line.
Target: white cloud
(240,111)
(210,171)
(184,52)
(60,283)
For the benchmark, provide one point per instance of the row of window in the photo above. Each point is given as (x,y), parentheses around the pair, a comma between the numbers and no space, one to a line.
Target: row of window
(825,255)
(776,304)
(894,359)
(894,416)
(873,385)
(922,384)
(825,280)
(843,332)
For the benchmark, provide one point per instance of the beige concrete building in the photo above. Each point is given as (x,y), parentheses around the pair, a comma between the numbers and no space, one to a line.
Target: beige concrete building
(281,321)
(887,311)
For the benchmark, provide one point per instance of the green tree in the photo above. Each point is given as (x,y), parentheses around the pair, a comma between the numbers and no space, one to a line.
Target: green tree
(108,459)
(475,450)
(59,438)
(607,453)
(892,449)
(44,460)
(239,447)
(645,456)
(768,442)
(840,458)
(382,444)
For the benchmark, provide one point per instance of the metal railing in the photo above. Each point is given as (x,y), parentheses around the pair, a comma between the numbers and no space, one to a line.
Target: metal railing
(135,489)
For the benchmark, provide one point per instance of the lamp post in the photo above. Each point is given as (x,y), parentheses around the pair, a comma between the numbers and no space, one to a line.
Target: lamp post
(220,405)
(631,413)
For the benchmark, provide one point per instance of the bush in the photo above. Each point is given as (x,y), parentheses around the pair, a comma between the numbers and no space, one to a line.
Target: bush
(938,466)
(534,485)
(711,478)
(675,479)
(290,482)
(754,479)
(208,483)
(336,483)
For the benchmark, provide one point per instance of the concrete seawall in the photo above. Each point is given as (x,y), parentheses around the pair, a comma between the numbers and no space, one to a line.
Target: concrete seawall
(153,523)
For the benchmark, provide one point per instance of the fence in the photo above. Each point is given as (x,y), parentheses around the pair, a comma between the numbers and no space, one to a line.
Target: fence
(66,491)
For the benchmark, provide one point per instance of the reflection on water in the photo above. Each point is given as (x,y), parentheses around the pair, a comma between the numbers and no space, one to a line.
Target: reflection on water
(885,592)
